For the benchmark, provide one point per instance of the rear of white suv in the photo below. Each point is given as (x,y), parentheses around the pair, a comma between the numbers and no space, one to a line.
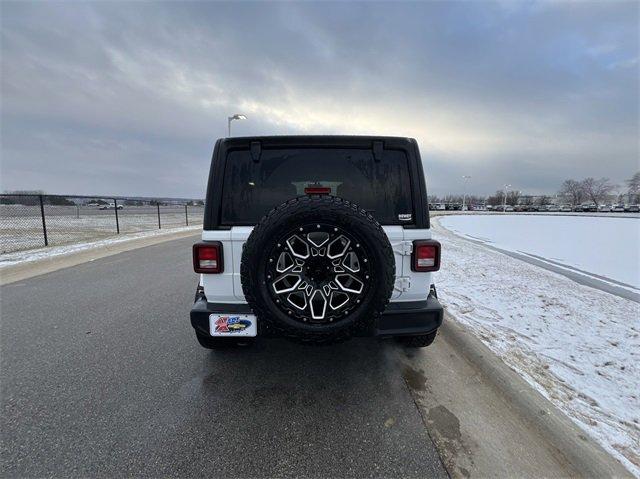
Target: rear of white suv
(309,279)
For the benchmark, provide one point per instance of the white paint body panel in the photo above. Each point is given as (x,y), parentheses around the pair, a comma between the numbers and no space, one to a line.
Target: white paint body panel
(227,287)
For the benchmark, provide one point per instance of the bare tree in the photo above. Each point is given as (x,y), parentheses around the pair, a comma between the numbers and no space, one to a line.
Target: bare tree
(453,199)
(474,200)
(572,191)
(543,200)
(512,198)
(496,199)
(597,190)
(634,188)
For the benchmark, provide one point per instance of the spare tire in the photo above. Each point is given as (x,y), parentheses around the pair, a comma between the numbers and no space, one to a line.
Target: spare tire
(318,269)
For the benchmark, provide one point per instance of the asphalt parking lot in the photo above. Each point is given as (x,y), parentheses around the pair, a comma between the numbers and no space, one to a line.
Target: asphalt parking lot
(101,376)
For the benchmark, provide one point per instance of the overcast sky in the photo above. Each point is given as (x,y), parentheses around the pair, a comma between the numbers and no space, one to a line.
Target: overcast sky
(129,98)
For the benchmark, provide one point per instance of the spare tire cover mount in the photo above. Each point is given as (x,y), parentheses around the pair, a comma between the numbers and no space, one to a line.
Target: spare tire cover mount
(317,268)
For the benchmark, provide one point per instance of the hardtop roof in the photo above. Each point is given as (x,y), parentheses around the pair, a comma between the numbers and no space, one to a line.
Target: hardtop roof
(352,141)
(256,143)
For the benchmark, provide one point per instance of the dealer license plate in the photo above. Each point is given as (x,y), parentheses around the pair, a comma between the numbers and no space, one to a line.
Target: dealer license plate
(233,325)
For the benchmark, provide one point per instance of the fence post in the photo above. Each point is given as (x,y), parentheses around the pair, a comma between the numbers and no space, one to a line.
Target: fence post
(115,207)
(186,215)
(44,223)
(159,225)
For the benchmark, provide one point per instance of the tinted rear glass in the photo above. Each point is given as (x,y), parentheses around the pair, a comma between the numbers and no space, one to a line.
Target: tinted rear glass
(251,188)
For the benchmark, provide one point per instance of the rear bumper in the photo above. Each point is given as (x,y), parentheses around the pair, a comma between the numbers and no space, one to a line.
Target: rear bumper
(399,319)
(411,318)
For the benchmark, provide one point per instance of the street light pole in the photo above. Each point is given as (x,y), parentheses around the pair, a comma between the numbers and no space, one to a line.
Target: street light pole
(464,191)
(237,116)
(504,204)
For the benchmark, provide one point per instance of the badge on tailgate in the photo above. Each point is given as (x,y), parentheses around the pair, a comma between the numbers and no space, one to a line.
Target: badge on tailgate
(232,325)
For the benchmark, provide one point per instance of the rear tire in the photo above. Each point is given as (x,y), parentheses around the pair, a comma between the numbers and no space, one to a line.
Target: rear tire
(222,343)
(336,297)
(421,341)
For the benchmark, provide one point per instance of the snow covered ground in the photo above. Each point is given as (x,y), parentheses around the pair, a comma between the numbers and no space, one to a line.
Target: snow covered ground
(578,346)
(21,225)
(9,259)
(603,246)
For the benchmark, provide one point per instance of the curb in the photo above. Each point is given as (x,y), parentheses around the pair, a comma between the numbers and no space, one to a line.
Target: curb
(30,269)
(585,456)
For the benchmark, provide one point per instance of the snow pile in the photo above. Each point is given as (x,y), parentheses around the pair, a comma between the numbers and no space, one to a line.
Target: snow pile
(603,246)
(578,346)
(9,259)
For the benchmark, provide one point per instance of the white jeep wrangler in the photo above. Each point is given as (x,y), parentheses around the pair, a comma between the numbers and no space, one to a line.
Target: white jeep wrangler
(317,239)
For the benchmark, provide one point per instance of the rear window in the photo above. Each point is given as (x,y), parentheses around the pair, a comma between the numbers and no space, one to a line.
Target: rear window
(251,189)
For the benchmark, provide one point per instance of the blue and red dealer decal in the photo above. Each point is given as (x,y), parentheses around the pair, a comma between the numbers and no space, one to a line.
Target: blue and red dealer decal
(231,324)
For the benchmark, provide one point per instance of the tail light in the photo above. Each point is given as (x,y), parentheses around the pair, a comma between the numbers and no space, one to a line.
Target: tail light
(207,257)
(425,256)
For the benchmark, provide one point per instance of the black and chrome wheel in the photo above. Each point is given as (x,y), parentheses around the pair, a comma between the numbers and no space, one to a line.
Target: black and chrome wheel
(318,273)
(317,268)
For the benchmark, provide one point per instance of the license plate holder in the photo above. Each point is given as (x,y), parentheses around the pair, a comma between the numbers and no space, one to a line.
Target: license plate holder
(233,325)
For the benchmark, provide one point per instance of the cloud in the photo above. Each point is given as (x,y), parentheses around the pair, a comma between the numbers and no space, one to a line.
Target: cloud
(129,98)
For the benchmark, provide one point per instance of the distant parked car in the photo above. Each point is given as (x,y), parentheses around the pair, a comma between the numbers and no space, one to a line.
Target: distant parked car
(490,208)
(632,208)
(508,208)
(110,206)
(566,208)
(619,208)
(604,208)
(589,207)
(553,208)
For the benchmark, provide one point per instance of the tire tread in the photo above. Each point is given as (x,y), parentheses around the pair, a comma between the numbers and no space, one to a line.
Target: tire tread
(312,205)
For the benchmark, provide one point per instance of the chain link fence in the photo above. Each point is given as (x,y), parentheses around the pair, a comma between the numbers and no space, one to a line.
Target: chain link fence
(29,221)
